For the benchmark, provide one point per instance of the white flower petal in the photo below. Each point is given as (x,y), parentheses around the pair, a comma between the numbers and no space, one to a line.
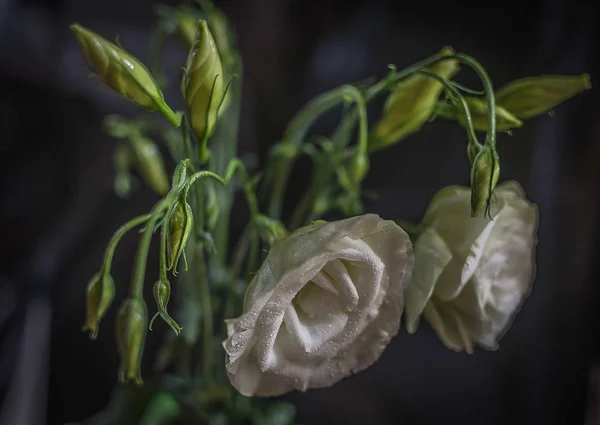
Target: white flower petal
(475,298)
(325,304)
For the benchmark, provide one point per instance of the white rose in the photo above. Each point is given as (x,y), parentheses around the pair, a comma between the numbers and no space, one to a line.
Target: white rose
(472,274)
(325,304)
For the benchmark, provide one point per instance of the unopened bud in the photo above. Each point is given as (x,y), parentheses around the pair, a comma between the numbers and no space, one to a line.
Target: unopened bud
(162,294)
(411,104)
(100,293)
(123,160)
(479,114)
(528,97)
(203,85)
(150,164)
(485,172)
(132,326)
(181,220)
(123,73)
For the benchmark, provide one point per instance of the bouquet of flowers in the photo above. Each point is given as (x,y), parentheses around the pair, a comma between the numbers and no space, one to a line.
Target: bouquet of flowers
(301,301)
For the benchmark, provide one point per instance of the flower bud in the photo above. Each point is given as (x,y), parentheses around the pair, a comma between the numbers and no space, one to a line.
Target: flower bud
(123,160)
(181,220)
(100,293)
(132,325)
(528,97)
(485,172)
(203,83)
(411,103)
(123,73)
(150,164)
(162,294)
(479,114)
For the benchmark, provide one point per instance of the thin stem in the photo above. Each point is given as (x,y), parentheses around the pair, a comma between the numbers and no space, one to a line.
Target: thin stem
(470,129)
(163,252)
(205,297)
(139,271)
(116,238)
(187,143)
(489,94)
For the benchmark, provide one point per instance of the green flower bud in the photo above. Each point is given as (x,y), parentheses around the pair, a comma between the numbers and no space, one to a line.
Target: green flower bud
(132,325)
(528,97)
(100,293)
(123,160)
(411,104)
(485,172)
(181,220)
(479,114)
(162,294)
(203,83)
(123,73)
(150,164)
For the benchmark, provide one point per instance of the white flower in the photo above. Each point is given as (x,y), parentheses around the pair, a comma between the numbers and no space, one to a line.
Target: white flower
(325,304)
(472,274)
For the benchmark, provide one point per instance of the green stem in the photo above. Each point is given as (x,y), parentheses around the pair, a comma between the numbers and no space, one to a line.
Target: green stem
(308,114)
(139,271)
(205,297)
(306,204)
(163,252)
(187,143)
(116,238)
(467,111)
(489,94)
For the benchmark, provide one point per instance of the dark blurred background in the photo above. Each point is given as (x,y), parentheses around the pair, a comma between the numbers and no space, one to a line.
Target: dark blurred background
(58,210)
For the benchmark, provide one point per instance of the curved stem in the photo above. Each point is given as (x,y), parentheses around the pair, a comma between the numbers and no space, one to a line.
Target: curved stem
(116,238)
(489,94)
(467,111)
(139,271)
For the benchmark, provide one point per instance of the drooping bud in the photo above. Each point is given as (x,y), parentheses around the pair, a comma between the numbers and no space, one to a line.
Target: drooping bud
(485,172)
(479,114)
(203,85)
(181,220)
(132,326)
(162,294)
(123,73)
(528,97)
(411,104)
(100,293)
(150,164)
